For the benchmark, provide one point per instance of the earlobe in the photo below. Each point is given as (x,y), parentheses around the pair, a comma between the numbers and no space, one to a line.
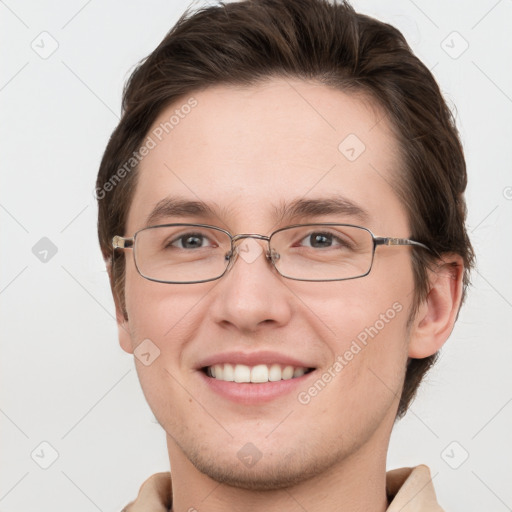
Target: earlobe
(436,316)
(125,339)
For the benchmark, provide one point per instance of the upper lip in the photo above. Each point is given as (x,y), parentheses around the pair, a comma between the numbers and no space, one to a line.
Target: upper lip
(253,359)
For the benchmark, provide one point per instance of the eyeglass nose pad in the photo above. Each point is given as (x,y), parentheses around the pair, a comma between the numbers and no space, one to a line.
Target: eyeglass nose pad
(273,256)
(232,255)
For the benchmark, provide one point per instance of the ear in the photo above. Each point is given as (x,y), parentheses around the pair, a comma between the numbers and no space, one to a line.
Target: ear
(123,329)
(436,315)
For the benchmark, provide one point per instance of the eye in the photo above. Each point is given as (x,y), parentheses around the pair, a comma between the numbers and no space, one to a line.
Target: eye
(190,241)
(322,240)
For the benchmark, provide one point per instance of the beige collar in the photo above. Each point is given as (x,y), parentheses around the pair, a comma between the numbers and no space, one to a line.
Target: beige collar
(412,490)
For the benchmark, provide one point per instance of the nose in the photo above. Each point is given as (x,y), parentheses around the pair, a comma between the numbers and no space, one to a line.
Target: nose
(251,293)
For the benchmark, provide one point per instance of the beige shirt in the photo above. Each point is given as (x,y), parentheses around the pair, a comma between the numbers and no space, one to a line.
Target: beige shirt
(408,489)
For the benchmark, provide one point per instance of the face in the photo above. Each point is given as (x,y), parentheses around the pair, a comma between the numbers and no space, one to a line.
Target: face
(247,152)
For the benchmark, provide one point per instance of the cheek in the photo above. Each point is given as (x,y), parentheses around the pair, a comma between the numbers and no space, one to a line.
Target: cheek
(369,355)
(159,311)
(373,340)
(365,323)
(160,322)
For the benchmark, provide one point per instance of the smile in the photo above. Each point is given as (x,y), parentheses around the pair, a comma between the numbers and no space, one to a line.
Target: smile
(257,374)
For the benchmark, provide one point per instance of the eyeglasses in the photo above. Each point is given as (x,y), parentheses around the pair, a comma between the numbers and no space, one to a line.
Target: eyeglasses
(197,253)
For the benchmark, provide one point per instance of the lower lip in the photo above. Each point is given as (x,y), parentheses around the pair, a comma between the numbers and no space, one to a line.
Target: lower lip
(248,393)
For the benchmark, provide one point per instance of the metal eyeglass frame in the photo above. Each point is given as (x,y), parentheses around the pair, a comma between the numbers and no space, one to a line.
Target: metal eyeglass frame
(120,242)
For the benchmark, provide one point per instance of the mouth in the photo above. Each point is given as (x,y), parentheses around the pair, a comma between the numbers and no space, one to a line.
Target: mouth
(258,374)
(252,378)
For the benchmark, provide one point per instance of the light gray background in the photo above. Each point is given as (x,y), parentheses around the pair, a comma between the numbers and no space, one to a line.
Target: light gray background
(64,379)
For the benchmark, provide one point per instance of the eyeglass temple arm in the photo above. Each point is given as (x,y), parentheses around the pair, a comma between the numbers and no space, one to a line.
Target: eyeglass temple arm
(380,240)
(120,242)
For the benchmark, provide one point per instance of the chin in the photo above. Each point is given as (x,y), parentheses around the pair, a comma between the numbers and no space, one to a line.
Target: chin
(271,471)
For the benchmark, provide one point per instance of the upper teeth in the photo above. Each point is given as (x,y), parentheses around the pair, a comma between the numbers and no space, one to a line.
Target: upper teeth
(258,373)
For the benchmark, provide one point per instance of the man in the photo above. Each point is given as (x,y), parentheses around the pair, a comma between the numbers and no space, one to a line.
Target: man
(281,211)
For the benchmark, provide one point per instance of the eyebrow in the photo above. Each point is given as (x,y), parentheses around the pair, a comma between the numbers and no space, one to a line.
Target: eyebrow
(334,204)
(298,209)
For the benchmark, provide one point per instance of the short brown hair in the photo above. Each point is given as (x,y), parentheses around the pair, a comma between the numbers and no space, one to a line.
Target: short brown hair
(245,42)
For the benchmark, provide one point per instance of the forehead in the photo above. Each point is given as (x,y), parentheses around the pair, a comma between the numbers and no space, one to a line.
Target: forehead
(248,153)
